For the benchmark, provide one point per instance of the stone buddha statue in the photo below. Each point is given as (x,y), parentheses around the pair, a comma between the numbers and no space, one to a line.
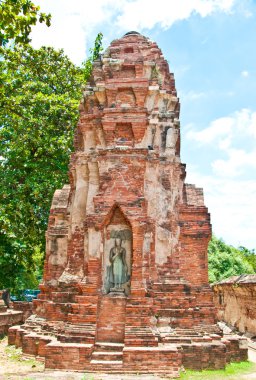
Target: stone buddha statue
(117,271)
(118,266)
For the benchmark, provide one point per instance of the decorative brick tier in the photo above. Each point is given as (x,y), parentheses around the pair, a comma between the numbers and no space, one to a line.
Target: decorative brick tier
(125,285)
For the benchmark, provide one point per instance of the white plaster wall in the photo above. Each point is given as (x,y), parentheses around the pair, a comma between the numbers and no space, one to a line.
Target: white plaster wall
(80,198)
(59,257)
(161,204)
(94,242)
(93,185)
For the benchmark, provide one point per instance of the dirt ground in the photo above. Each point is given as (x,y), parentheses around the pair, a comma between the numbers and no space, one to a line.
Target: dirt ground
(15,367)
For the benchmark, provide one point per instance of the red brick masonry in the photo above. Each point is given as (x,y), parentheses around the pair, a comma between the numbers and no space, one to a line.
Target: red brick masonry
(15,315)
(126,173)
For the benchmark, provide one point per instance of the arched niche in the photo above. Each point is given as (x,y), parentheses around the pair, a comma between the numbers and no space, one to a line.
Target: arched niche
(172,135)
(117,254)
(128,71)
(124,134)
(91,103)
(169,139)
(125,97)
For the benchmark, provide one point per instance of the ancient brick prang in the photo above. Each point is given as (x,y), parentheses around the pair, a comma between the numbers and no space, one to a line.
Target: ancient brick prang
(125,283)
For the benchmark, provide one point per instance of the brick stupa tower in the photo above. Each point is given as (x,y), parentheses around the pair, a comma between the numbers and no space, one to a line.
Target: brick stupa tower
(125,284)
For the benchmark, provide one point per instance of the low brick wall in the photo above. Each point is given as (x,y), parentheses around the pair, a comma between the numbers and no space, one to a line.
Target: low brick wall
(25,307)
(235,300)
(8,319)
(16,315)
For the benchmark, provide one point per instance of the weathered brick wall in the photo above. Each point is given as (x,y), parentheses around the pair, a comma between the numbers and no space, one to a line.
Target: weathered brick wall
(235,300)
(9,318)
(25,307)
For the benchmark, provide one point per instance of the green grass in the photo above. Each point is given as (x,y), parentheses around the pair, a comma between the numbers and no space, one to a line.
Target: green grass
(232,371)
(15,355)
(87,376)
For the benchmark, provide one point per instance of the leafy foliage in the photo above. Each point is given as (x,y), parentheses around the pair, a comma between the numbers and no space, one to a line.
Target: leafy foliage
(226,261)
(249,255)
(94,54)
(39,100)
(38,109)
(17,17)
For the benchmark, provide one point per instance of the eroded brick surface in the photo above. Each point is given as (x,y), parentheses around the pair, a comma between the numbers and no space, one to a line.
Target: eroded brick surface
(236,302)
(127,194)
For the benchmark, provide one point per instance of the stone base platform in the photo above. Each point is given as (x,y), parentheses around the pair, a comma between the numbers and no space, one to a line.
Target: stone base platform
(181,348)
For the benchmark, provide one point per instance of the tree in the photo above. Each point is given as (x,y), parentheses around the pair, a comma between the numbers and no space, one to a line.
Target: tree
(94,54)
(226,261)
(249,255)
(39,100)
(17,17)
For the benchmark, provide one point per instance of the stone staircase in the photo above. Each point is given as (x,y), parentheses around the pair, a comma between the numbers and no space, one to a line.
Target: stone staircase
(82,333)
(140,336)
(107,356)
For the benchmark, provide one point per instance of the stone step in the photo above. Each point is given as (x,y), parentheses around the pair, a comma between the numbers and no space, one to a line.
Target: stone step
(81,333)
(76,339)
(139,334)
(137,321)
(84,309)
(77,319)
(86,299)
(78,332)
(62,297)
(168,339)
(106,364)
(138,329)
(160,287)
(136,340)
(107,355)
(142,302)
(194,332)
(108,346)
(80,329)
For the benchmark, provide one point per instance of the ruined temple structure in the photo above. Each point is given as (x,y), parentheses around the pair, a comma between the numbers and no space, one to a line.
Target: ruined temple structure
(125,284)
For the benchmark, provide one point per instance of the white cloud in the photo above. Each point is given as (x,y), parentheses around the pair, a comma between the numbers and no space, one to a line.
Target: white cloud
(230,197)
(218,128)
(60,37)
(225,143)
(166,12)
(192,95)
(232,206)
(238,160)
(74,22)
(245,73)
(227,132)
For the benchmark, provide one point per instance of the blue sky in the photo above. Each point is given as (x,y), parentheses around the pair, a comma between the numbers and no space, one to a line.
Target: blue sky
(211,48)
